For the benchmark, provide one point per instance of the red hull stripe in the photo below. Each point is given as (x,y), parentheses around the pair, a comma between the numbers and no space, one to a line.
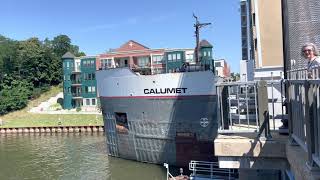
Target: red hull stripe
(154,97)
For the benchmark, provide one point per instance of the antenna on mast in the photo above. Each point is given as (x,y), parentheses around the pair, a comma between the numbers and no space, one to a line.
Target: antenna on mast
(198,25)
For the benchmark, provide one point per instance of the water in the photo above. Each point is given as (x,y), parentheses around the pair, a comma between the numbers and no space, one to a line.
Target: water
(67,156)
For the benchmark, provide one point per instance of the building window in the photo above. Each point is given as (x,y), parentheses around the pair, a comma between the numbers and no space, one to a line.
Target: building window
(243,8)
(209,53)
(89,88)
(143,61)
(217,64)
(93,102)
(88,102)
(178,56)
(174,57)
(169,57)
(204,53)
(157,59)
(93,89)
(189,57)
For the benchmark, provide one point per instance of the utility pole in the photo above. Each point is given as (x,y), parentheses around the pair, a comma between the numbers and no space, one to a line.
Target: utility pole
(198,25)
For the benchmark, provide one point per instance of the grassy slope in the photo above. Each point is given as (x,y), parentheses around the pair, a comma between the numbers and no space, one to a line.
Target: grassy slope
(23,118)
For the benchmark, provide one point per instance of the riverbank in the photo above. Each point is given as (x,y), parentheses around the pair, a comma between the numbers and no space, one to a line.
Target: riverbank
(25,118)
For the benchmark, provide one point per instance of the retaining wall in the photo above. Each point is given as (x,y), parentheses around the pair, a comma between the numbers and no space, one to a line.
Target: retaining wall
(52,129)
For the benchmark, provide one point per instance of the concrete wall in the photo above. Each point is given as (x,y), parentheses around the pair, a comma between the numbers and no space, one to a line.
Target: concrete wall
(268,15)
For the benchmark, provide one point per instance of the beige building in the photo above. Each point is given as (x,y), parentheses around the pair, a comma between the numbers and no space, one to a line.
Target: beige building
(222,68)
(261,30)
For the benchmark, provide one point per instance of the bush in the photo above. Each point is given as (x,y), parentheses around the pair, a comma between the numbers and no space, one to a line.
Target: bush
(45,88)
(36,92)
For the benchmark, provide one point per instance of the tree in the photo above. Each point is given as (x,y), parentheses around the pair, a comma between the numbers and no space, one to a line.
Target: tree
(28,68)
(235,76)
(14,95)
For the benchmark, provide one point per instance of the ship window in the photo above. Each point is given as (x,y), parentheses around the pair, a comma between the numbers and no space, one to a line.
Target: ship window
(121,122)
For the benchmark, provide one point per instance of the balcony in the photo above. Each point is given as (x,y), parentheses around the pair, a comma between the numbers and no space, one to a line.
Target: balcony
(76,70)
(76,95)
(76,82)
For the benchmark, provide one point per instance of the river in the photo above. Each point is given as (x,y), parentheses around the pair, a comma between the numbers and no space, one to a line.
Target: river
(67,156)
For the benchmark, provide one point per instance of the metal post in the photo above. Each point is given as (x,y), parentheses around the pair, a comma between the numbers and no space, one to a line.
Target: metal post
(247,102)
(309,120)
(264,131)
(230,116)
(224,107)
(272,97)
(238,97)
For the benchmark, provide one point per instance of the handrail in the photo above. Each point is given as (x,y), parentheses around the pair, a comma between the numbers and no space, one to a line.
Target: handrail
(209,167)
(241,108)
(166,165)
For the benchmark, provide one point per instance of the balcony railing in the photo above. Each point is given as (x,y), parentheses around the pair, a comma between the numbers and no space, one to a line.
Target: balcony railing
(255,107)
(303,91)
(76,95)
(76,81)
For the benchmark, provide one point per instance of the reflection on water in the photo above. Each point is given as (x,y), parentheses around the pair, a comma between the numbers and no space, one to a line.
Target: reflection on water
(67,156)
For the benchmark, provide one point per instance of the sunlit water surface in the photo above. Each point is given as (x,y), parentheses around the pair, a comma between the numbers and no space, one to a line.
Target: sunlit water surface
(67,156)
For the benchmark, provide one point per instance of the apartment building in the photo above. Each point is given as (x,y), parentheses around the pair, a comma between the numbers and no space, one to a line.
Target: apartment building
(262,41)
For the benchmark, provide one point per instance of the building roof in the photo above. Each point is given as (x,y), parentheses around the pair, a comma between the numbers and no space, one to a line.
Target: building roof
(68,55)
(131,45)
(205,43)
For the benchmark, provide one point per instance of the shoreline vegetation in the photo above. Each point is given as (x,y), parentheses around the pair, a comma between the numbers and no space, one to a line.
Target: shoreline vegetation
(28,68)
(31,73)
(23,118)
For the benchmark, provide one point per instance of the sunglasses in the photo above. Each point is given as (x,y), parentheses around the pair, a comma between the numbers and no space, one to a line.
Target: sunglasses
(307,50)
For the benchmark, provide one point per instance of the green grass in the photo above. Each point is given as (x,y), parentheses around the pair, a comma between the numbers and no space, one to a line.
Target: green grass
(23,118)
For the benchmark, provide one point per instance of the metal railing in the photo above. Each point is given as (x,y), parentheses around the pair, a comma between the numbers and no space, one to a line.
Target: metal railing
(304,111)
(254,106)
(210,169)
(168,175)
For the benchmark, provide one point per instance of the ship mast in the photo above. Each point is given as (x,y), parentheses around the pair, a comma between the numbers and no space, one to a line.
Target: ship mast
(198,25)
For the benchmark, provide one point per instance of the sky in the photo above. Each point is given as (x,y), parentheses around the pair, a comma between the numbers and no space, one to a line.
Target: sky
(98,25)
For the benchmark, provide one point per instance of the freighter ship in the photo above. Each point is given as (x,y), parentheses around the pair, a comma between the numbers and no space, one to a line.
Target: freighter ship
(162,118)
(159,118)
